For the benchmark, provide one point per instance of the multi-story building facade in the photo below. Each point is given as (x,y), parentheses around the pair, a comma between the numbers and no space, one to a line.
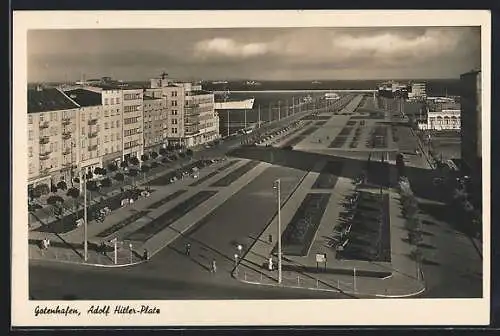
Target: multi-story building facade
(442,116)
(192,119)
(471,135)
(418,91)
(106,129)
(133,123)
(52,138)
(155,120)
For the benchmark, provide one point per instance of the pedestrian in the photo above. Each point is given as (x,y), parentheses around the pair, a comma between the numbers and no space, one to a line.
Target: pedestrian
(214,266)
(188,249)
(146,254)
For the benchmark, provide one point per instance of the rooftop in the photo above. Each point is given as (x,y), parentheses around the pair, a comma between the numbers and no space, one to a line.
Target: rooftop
(437,107)
(85,97)
(48,99)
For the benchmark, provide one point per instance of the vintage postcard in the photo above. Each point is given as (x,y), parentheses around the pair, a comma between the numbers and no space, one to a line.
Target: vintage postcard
(251,168)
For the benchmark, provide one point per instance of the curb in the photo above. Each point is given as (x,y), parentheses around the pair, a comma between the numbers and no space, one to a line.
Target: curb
(351,293)
(91,264)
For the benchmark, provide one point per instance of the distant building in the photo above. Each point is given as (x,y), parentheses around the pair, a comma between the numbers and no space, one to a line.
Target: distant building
(471,151)
(418,91)
(441,114)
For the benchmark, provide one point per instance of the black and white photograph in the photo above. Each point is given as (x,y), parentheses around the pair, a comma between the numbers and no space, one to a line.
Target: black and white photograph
(188,169)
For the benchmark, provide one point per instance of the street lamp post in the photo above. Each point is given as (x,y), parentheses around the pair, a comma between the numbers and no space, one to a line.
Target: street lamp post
(277,186)
(131,253)
(85,243)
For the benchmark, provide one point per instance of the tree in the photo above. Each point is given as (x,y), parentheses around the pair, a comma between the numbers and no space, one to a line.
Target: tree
(144,157)
(90,175)
(163,151)
(124,164)
(164,159)
(54,199)
(76,180)
(73,192)
(133,172)
(154,155)
(145,168)
(43,189)
(154,164)
(53,188)
(189,152)
(119,177)
(106,182)
(92,185)
(133,160)
(62,185)
(112,167)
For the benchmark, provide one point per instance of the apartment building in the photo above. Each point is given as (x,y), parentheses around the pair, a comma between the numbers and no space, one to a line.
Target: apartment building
(418,91)
(106,129)
(133,122)
(52,139)
(192,119)
(155,120)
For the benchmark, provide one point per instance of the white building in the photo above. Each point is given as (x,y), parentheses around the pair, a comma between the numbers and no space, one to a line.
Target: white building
(192,119)
(442,120)
(418,91)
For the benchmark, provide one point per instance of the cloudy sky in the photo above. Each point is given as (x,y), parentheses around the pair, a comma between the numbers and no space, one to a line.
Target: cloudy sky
(257,53)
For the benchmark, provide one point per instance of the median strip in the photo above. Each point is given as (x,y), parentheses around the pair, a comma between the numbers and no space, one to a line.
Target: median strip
(235,174)
(166,199)
(169,217)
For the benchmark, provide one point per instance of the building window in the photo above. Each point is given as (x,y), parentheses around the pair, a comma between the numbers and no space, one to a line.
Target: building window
(118,123)
(174,121)
(106,125)
(30,151)
(105,138)
(106,150)
(30,135)
(174,112)
(83,116)
(106,113)
(105,101)
(112,101)
(30,120)
(174,102)
(118,100)
(113,137)
(83,130)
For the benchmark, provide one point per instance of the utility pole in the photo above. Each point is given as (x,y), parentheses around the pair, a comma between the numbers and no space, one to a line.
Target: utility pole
(258,116)
(278,190)
(245,118)
(228,123)
(85,245)
(279,109)
(269,111)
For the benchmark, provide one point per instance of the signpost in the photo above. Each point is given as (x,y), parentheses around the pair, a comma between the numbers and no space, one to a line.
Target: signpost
(321,258)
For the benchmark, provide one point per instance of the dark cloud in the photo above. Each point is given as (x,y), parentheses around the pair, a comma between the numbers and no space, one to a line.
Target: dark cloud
(258,53)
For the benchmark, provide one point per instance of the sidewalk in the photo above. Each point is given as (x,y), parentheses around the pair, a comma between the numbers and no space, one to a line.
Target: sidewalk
(66,247)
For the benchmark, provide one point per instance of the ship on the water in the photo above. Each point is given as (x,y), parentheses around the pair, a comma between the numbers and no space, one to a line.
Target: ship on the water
(332,96)
(315,82)
(220,82)
(252,83)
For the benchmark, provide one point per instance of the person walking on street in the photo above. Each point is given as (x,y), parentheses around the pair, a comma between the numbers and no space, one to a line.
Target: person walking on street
(214,266)
(188,249)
